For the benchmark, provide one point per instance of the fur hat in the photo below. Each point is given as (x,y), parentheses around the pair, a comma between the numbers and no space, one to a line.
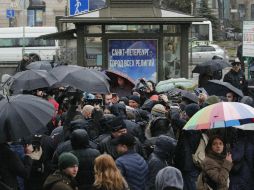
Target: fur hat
(67,160)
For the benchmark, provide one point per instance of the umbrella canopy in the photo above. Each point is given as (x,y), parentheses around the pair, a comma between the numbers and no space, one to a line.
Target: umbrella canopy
(23,115)
(247,127)
(31,80)
(192,97)
(40,65)
(84,79)
(220,115)
(114,74)
(220,88)
(210,66)
(166,85)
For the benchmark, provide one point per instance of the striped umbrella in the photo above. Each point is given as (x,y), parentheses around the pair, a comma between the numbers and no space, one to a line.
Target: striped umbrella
(220,115)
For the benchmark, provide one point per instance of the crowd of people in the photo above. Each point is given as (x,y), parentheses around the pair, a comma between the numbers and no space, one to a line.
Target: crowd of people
(136,142)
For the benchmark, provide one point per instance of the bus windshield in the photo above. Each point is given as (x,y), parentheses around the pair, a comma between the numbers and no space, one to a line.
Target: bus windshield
(202,31)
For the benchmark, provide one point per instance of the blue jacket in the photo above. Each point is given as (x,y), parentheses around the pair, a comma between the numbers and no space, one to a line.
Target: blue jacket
(134,169)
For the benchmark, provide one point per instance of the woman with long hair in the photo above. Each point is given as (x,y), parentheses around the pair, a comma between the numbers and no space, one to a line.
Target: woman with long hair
(107,175)
(216,166)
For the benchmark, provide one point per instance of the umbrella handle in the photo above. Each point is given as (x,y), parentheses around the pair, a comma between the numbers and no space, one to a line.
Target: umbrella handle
(228,148)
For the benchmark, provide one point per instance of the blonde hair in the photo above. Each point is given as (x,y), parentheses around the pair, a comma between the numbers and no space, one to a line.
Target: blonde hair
(107,175)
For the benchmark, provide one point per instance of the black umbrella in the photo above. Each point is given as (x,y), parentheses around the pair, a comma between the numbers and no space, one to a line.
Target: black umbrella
(84,79)
(189,96)
(211,66)
(113,77)
(23,115)
(220,88)
(31,80)
(40,65)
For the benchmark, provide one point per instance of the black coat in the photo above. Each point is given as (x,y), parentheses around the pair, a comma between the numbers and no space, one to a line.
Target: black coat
(85,176)
(237,79)
(106,146)
(155,164)
(12,166)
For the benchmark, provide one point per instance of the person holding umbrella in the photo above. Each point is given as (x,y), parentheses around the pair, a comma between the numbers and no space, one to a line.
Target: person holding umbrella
(216,166)
(11,166)
(236,77)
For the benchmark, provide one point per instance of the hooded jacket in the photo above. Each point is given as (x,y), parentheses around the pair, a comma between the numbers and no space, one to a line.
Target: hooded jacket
(169,177)
(59,181)
(161,157)
(86,157)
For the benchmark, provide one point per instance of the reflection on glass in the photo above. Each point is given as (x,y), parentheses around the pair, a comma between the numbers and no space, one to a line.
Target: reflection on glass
(132,28)
(94,29)
(200,32)
(93,51)
(171,28)
(171,57)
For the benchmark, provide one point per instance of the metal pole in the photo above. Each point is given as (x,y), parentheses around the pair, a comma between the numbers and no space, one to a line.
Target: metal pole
(23,23)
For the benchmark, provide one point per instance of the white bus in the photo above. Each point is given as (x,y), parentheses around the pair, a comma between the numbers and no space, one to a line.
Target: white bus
(11,44)
(201,32)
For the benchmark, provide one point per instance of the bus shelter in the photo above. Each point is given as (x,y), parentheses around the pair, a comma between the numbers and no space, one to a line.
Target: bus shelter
(133,37)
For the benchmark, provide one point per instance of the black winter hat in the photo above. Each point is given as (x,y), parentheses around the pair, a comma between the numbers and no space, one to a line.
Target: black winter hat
(126,139)
(191,109)
(66,160)
(135,98)
(116,124)
(165,143)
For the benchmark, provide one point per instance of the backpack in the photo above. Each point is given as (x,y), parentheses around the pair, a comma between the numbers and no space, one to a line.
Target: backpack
(199,155)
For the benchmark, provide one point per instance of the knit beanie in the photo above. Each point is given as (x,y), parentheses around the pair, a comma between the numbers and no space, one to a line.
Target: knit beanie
(212,100)
(66,160)
(158,110)
(191,109)
(169,177)
(135,98)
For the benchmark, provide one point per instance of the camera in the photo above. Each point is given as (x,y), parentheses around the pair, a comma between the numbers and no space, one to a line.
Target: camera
(89,99)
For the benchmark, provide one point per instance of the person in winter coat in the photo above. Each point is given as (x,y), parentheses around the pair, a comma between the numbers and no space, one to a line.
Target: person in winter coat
(186,146)
(169,178)
(118,128)
(242,174)
(161,157)
(11,166)
(132,166)
(216,166)
(86,157)
(236,77)
(63,179)
(107,175)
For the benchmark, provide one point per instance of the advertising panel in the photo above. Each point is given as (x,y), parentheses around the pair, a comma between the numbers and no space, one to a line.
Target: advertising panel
(135,57)
(248,38)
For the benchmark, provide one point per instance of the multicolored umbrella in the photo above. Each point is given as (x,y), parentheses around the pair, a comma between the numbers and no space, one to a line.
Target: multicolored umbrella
(220,115)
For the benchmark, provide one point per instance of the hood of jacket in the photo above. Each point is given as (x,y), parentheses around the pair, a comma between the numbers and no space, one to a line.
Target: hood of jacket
(169,177)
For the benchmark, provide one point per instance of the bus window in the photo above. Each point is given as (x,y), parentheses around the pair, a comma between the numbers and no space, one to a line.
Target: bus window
(201,31)
(8,42)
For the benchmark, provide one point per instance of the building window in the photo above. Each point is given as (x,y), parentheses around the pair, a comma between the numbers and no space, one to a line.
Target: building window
(35,17)
(35,12)
(252,11)
(241,10)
